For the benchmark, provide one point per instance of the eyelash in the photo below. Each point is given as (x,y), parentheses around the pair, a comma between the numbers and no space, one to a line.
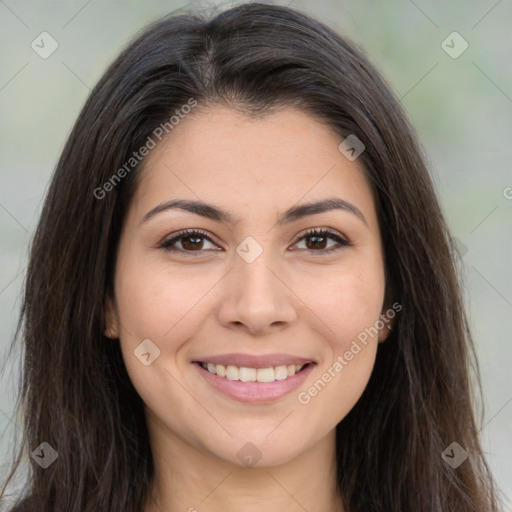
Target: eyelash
(322,232)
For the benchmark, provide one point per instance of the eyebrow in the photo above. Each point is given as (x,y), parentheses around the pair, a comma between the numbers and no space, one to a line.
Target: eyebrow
(293,214)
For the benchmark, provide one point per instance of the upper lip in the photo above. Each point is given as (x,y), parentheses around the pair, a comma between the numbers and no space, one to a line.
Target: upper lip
(250,361)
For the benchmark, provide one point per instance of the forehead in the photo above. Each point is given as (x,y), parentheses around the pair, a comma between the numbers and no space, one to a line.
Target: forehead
(254,164)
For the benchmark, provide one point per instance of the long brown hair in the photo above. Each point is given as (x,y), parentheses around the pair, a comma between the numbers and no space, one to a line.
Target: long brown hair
(76,394)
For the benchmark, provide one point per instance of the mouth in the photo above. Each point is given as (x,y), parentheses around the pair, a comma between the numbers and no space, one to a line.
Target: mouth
(253,385)
(246,374)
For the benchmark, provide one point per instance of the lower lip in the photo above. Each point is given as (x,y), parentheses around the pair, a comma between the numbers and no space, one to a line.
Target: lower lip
(255,392)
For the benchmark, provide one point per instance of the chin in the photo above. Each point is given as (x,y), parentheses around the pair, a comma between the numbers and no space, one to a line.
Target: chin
(253,452)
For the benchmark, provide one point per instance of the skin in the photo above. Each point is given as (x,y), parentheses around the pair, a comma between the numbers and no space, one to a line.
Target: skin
(207,302)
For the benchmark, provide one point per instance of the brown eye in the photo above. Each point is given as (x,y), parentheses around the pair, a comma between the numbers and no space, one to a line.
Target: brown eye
(317,240)
(191,241)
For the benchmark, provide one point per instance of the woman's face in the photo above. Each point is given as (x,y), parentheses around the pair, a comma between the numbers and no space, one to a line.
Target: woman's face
(253,290)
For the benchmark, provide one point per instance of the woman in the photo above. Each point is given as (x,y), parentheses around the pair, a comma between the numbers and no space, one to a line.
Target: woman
(241,289)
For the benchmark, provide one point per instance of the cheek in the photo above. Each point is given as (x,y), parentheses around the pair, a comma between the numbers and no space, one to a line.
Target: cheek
(349,311)
(348,299)
(338,386)
(164,306)
(349,305)
(155,300)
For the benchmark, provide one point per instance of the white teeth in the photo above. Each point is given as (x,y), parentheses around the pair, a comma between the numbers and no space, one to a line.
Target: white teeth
(245,374)
(221,370)
(280,372)
(265,375)
(232,373)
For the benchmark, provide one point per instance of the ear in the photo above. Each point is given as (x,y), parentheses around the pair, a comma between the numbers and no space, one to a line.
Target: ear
(387,319)
(388,325)
(390,309)
(111,319)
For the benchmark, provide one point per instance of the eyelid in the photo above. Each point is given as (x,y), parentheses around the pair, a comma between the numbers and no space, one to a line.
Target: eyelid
(340,239)
(166,242)
(324,231)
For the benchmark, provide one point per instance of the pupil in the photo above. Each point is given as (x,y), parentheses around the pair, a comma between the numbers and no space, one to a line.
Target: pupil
(196,241)
(315,240)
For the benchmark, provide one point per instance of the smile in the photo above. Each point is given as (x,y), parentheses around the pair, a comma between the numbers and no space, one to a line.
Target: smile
(253,385)
(244,374)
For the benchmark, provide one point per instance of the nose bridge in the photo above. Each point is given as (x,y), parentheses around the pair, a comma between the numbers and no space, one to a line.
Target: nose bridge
(257,297)
(254,280)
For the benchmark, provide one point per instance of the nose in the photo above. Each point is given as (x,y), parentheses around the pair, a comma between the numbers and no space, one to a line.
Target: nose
(256,298)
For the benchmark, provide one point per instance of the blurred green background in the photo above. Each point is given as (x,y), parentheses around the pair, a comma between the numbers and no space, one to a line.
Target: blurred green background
(461,108)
